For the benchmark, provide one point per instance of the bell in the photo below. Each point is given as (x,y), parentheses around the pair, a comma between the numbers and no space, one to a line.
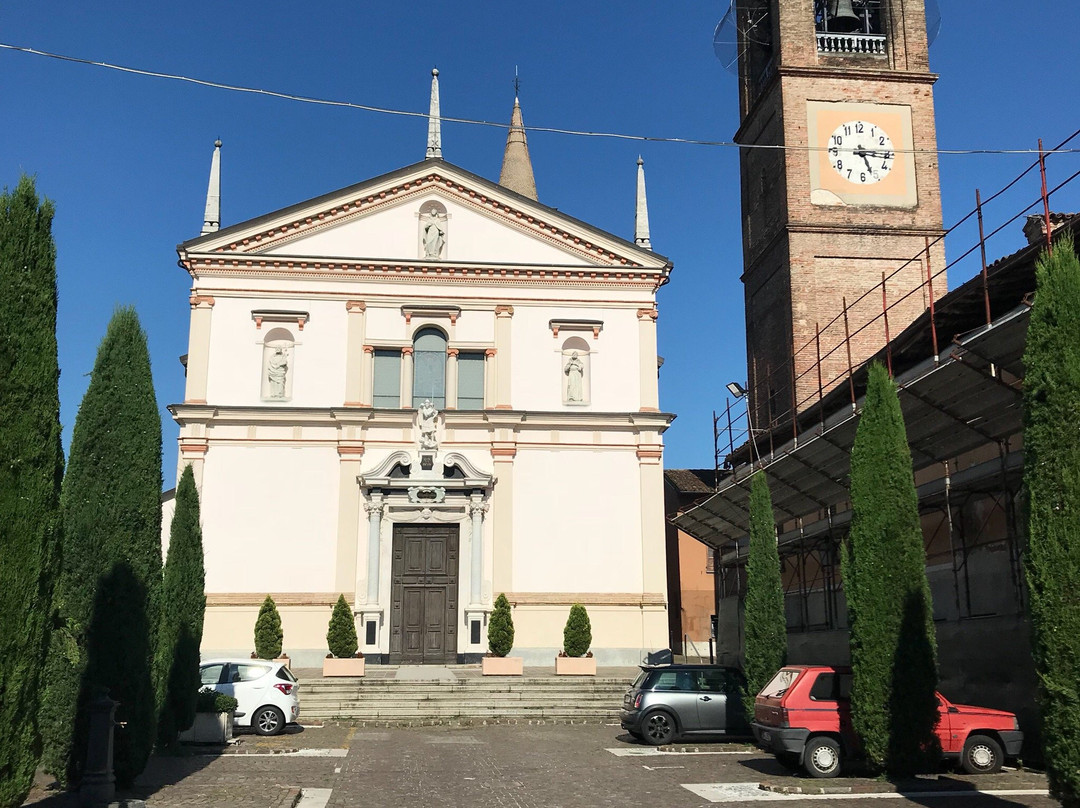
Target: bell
(842,18)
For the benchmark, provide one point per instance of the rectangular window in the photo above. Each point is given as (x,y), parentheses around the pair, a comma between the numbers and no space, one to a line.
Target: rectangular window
(470,381)
(387,380)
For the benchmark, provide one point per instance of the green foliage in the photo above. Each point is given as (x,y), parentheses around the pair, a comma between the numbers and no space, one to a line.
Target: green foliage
(268,632)
(184,604)
(210,701)
(1052,480)
(765,643)
(111,580)
(31,467)
(501,628)
(577,635)
(341,636)
(893,646)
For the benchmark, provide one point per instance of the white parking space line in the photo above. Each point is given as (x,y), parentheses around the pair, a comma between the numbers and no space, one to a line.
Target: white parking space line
(652,751)
(314,797)
(329,753)
(750,792)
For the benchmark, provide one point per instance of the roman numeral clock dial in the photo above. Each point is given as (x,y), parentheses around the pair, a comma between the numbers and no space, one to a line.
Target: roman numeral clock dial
(861,152)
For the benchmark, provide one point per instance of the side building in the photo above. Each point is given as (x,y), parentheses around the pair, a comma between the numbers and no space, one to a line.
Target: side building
(421,391)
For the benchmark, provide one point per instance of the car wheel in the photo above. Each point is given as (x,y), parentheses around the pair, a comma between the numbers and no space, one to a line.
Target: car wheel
(982,755)
(821,757)
(268,721)
(659,728)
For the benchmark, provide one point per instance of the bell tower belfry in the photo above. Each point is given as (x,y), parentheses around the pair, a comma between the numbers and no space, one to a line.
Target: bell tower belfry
(839,185)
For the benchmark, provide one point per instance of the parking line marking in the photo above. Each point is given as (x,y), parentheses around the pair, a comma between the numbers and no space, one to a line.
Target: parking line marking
(331,753)
(652,751)
(314,797)
(750,792)
(656,768)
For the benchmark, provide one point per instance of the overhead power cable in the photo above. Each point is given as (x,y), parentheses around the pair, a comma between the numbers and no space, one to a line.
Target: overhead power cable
(475,122)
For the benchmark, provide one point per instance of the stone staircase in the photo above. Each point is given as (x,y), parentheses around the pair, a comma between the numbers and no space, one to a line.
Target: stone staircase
(395,701)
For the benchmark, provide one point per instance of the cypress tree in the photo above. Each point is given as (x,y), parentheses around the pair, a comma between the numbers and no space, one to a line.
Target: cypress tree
(893,647)
(577,635)
(31,467)
(341,634)
(111,582)
(183,607)
(500,631)
(268,631)
(1052,480)
(765,643)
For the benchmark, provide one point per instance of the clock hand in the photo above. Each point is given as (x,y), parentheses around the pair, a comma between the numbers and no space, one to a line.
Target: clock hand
(859,151)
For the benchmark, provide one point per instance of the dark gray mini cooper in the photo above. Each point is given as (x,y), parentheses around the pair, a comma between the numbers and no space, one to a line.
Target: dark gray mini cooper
(666,702)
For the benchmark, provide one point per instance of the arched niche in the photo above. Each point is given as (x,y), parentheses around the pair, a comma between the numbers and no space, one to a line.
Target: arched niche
(278,365)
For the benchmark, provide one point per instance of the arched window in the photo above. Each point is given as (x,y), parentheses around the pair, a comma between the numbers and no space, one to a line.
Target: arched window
(429,367)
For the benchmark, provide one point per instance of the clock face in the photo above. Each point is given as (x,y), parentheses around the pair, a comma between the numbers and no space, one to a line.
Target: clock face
(861,152)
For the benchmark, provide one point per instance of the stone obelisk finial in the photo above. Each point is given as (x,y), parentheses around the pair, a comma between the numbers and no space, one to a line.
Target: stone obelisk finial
(641,212)
(434,126)
(212,217)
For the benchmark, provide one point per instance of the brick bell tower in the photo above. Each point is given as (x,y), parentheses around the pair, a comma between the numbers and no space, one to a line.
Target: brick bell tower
(844,88)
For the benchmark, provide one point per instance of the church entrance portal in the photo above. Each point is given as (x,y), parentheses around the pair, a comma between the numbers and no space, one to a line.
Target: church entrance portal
(424,594)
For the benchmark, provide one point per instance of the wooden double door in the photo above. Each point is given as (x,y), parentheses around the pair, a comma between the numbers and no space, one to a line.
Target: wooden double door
(424,595)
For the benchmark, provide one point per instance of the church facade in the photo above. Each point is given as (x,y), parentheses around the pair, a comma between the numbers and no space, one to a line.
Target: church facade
(422,391)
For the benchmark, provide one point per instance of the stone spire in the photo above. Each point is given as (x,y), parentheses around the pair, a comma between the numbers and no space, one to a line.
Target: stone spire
(517,173)
(641,213)
(434,125)
(212,217)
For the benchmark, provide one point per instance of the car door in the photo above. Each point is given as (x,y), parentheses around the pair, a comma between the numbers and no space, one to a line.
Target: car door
(249,683)
(714,700)
(676,691)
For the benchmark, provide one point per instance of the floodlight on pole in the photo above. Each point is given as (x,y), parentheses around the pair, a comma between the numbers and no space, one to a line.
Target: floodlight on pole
(739,391)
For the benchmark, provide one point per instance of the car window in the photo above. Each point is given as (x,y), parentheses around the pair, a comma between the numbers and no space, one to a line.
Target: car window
(640,679)
(779,684)
(717,681)
(286,674)
(831,687)
(249,673)
(674,680)
(210,674)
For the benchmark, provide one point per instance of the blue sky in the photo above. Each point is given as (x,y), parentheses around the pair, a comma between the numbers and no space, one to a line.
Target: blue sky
(125,157)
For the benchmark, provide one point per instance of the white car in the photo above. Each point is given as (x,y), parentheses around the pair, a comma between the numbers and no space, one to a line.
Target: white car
(267,692)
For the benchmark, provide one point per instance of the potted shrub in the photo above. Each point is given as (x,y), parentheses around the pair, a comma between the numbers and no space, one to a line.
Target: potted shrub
(213,718)
(343,659)
(576,659)
(268,633)
(500,641)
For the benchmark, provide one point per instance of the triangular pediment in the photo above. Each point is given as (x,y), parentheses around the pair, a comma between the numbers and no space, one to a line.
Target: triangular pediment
(384,219)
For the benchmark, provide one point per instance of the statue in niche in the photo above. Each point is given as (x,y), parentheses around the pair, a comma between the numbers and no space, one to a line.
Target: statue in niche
(575,377)
(434,235)
(277,368)
(427,418)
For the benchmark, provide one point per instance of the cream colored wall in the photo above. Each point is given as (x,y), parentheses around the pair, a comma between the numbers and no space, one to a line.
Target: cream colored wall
(236,352)
(576,530)
(394,233)
(269,518)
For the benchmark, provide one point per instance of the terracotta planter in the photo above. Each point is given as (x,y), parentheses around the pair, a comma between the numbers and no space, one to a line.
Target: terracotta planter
(575,666)
(283,659)
(332,666)
(209,728)
(502,666)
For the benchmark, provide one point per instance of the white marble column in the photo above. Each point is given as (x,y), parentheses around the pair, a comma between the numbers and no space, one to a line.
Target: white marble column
(375,510)
(451,378)
(406,377)
(477,509)
(489,378)
(354,355)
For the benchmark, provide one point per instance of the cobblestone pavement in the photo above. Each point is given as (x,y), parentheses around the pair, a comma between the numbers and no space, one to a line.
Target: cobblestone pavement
(521,766)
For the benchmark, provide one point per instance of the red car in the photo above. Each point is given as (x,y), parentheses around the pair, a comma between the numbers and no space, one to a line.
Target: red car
(803,716)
